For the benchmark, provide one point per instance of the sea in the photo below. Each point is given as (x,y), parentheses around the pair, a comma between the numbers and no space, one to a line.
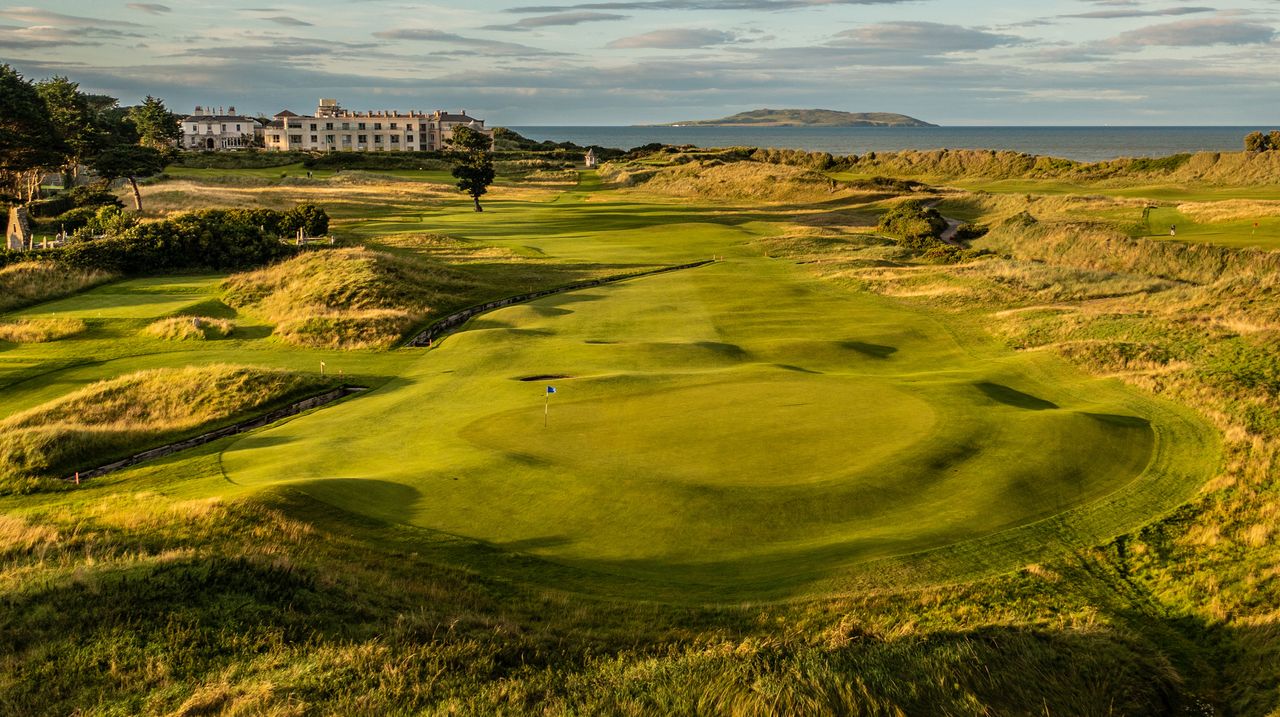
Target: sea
(1085,144)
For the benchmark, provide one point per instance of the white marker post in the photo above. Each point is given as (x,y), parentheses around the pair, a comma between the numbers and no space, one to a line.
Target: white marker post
(322,368)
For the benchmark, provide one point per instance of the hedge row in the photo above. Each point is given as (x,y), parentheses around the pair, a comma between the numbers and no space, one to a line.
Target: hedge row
(209,239)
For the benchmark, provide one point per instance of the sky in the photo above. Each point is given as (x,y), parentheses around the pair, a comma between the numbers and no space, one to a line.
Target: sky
(623,62)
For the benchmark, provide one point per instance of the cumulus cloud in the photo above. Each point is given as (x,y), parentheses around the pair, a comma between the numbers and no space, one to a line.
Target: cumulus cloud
(690,39)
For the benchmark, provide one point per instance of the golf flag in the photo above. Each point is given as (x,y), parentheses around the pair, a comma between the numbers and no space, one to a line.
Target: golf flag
(551,389)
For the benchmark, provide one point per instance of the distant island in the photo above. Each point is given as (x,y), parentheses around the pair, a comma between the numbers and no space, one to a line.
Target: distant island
(807,118)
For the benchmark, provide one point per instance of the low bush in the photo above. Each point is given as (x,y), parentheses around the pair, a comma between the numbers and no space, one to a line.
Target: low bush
(375,161)
(38,331)
(190,328)
(212,238)
(87,196)
(245,159)
(914,224)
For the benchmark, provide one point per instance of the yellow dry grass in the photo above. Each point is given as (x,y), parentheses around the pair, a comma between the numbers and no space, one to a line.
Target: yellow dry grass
(31,282)
(190,328)
(38,331)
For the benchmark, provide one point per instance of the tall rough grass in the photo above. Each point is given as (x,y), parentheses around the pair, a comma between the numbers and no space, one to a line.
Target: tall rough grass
(35,331)
(32,282)
(347,298)
(190,328)
(125,414)
(1195,324)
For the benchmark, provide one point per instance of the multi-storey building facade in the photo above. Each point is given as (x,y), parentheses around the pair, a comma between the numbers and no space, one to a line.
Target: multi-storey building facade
(334,129)
(212,130)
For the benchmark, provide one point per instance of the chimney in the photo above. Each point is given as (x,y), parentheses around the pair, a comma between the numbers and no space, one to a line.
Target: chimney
(231,110)
(198,108)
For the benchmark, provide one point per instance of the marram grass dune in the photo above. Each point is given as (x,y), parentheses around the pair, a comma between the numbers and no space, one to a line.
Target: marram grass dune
(346,298)
(30,282)
(40,330)
(190,328)
(119,416)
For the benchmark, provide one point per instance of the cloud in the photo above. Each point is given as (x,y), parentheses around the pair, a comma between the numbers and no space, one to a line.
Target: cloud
(675,39)
(557,19)
(476,45)
(1196,33)
(150,8)
(928,38)
(286,20)
(1116,14)
(700,5)
(39,16)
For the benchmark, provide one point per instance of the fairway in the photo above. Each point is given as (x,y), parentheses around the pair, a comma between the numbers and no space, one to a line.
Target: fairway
(734,431)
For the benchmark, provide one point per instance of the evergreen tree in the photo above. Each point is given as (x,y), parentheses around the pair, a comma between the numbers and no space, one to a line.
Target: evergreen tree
(28,144)
(472,154)
(157,127)
(129,162)
(75,122)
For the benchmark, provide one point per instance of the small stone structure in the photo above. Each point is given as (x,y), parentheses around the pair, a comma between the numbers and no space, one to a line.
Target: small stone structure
(19,236)
(590,159)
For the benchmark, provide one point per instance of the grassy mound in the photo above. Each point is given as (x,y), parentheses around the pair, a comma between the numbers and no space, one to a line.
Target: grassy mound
(346,298)
(734,180)
(126,414)
(34,281)
(190,328)
(38,331)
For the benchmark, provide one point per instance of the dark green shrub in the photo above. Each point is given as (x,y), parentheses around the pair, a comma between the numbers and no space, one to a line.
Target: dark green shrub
(913,224)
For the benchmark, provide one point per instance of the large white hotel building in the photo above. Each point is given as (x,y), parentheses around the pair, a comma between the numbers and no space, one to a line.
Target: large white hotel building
(332,129)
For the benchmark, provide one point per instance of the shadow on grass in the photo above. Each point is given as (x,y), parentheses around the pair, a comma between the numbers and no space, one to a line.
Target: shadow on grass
(1012,397)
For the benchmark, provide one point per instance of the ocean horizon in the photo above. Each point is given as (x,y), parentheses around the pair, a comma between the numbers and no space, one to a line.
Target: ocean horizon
(1085,144)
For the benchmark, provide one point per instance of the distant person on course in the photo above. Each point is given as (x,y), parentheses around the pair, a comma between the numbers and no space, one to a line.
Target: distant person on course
(1173,230)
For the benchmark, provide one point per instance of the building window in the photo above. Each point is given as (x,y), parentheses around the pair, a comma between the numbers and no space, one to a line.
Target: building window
(409,139)
(313,138)
(329,139)
(364,139)
(346,139)
(377,138)
(238,128)
(393,125)
(377,125)
(395,139)
(295,138)
(224,128)
(313,126)
(346,125)
(360,125)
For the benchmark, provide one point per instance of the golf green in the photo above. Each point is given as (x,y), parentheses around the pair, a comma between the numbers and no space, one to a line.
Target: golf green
(737,431)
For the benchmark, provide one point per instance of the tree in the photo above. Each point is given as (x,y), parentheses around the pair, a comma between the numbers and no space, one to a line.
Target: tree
(129,162)
(27,141)
(472,154)
(157,127)
(75,122)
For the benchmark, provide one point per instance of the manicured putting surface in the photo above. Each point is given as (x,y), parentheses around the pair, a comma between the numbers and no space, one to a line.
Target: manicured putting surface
(730,432)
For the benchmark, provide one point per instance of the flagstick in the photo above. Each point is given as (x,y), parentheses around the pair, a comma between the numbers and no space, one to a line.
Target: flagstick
(546,410)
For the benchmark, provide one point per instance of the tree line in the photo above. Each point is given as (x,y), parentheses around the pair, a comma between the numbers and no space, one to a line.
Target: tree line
(52,126)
